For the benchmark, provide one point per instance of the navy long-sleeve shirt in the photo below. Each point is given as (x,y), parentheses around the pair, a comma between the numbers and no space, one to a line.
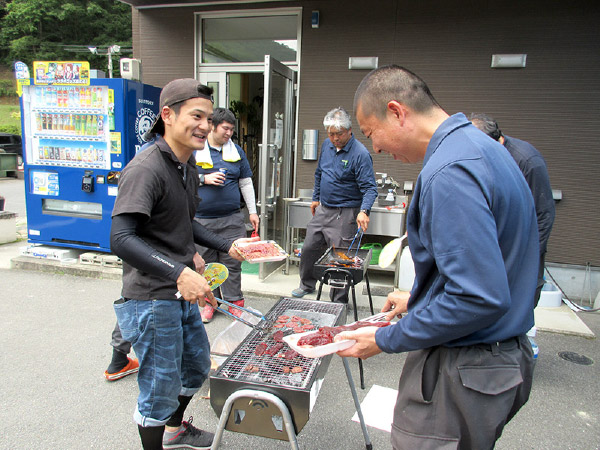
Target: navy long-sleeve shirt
(533,166)
(473,236)
(345,178)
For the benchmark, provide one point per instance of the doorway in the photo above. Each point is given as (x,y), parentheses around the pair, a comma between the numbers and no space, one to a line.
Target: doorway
(252,97)
(243,94)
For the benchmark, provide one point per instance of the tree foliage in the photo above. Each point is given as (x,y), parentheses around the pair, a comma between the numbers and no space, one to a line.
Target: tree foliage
(42,29)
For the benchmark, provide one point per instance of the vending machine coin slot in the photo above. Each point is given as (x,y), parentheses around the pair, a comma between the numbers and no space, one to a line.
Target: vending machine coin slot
(87,183)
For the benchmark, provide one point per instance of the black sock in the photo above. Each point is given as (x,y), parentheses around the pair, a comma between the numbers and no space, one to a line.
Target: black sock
(119,360)
(177,417)
(152,437)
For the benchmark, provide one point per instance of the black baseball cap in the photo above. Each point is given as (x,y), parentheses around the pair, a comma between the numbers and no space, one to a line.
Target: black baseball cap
(178,91)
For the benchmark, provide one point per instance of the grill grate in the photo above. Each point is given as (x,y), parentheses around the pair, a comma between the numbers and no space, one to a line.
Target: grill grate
(245,365)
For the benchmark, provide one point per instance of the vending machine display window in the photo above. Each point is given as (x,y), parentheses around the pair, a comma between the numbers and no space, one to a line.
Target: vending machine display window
(68,126)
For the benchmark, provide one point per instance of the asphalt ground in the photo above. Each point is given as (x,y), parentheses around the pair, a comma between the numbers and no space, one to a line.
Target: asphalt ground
(55,334)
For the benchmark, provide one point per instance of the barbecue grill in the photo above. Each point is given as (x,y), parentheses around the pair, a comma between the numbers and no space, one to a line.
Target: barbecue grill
(330,260)
(253,395)
(332,270)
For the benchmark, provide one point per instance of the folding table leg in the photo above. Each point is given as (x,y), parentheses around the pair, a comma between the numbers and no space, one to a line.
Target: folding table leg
(320,289)
(360,363)
(368,443)
(369,293)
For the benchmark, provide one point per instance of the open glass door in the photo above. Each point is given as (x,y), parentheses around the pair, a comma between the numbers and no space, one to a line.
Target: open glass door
(217,81)
(276,156)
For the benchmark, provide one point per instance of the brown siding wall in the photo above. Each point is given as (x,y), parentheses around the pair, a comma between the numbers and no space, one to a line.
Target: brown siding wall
(165,44)
(554,102)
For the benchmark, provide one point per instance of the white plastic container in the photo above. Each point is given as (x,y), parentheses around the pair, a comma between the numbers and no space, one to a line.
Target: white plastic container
(551,297)
(318,351)
(407,270)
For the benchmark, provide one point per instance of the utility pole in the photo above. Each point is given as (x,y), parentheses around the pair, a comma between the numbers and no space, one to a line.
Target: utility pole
(109,51)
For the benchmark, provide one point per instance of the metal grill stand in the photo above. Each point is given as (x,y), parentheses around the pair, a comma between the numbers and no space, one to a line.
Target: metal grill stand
(340,279)
(257,396)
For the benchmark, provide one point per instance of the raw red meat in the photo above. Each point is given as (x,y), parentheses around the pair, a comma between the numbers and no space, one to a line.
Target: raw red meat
(290,354)
(258,250)
(278,336)
(274,349)
(260,349)
(325,335)
(307,327)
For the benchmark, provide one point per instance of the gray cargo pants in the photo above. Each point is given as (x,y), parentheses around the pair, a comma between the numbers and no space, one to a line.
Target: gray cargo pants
(329,226)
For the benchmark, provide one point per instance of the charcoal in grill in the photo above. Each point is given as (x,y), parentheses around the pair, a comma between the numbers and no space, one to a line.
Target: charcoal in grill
(329,260)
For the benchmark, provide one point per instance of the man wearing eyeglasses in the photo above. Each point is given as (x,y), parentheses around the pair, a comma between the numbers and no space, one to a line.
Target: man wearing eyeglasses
(225,178)
(344,192)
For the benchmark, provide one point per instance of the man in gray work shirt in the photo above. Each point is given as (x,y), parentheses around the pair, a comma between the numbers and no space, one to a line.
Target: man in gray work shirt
(344,193)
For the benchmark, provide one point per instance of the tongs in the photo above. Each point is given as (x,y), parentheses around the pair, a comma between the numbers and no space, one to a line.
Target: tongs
(359,233)
(379,317)
(216,274)
(260,326)
(345,259)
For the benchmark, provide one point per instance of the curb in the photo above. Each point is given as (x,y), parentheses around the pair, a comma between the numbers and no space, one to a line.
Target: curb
(49,266)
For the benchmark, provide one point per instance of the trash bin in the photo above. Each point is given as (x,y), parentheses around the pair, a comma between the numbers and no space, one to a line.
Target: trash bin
(8,164)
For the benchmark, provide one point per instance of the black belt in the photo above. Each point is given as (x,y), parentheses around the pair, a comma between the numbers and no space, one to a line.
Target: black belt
(507,344)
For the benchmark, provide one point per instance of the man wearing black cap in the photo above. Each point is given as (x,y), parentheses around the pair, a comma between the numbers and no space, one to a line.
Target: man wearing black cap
(153,232)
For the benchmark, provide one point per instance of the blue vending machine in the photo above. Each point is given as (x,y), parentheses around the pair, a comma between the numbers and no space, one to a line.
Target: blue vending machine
(77,140)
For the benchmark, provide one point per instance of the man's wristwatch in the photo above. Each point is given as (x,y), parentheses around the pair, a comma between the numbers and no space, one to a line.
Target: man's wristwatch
(366,211)
(201,177)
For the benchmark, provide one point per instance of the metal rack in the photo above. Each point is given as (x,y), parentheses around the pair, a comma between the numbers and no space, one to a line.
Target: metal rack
(264,399)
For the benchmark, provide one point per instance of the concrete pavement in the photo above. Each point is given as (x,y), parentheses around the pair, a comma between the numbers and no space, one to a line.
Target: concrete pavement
(55,334)
(55,339)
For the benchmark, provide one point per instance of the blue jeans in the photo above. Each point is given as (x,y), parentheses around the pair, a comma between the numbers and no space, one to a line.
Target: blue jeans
(172,347)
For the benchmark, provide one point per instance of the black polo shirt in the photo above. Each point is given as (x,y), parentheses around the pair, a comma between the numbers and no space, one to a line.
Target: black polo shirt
(153,184)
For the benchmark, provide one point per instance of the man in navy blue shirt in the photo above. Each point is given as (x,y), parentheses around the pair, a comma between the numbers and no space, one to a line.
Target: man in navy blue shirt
(225,177)
(473,236)
(532,164)
(343,195)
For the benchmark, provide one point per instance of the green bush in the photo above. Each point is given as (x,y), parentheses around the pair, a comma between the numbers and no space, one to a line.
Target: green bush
(12,129)
(8,88)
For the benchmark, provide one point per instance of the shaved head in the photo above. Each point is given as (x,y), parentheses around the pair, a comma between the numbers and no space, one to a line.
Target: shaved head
(390,83)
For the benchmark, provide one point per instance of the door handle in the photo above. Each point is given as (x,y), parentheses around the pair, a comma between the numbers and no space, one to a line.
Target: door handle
(269,205)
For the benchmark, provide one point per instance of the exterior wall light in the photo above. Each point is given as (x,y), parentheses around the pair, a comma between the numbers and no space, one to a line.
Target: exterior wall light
(508,61)
(363,62)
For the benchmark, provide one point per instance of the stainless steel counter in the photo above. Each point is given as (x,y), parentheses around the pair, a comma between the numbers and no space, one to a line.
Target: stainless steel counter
(383,222)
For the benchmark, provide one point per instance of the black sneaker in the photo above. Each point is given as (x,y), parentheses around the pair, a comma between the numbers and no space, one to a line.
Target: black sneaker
(190,437)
